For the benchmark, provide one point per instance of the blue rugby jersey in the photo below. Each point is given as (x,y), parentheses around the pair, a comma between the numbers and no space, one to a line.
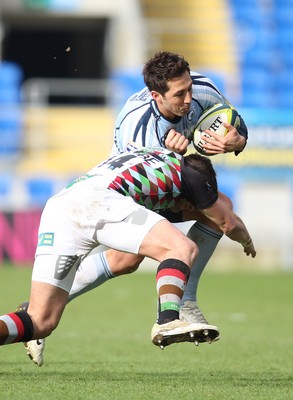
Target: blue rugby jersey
(141,122)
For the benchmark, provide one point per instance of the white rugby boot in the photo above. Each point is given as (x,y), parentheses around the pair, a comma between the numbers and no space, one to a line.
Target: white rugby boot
(191,313)
(35,351)
(178,331)
(34,348)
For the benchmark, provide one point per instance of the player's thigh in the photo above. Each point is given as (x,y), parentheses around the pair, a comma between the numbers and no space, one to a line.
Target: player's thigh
(52,279)
(56,270)
(164,241)
(127,235)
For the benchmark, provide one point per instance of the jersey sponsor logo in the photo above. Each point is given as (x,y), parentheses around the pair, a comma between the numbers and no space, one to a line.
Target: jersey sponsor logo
(143,95)
(131,146)
(190,115)
(154,159)
(209,186)
(46,239)
(80,179)
(216,124)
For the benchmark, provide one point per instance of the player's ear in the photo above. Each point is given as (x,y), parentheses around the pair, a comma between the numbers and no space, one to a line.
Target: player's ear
(156,96)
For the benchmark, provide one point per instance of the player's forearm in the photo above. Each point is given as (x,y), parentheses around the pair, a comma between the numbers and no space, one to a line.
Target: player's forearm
(236,230)
(243,133)
(241,143)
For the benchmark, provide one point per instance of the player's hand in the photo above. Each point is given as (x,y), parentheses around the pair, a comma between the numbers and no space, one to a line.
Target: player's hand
(218,144)
(176,142)
(249,249)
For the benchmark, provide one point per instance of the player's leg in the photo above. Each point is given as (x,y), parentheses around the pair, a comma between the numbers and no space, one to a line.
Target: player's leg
(206,235)
(207,239)
(97,268)
(47,301)
(101,265)
(176,253)
(159,239)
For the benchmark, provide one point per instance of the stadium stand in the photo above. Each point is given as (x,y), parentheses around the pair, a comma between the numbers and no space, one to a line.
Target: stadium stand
(264,40)
(10,111)
(256,45)
(200,30)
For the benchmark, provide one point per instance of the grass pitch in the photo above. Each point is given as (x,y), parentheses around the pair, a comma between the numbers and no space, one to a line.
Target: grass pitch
(102,348)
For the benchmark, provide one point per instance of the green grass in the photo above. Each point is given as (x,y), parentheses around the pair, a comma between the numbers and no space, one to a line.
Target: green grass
(102,348)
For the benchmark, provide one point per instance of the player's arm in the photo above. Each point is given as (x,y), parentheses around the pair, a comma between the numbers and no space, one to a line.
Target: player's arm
(230,224)
(234,141)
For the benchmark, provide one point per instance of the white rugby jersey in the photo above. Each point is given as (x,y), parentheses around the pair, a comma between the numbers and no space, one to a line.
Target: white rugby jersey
(141,122)
(154,178)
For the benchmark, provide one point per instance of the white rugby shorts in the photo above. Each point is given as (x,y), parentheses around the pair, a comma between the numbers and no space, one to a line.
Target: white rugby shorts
(71,226)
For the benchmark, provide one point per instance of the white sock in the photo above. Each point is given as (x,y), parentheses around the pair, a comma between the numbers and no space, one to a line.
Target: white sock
(92,272)
(206,240)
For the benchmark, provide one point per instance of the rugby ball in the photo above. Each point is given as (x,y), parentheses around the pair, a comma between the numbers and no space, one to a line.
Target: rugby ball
(213,119)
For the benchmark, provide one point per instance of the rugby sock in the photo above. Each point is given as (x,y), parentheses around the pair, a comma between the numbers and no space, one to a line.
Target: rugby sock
(172,276)
(93,271)
(16,327)
(206,240)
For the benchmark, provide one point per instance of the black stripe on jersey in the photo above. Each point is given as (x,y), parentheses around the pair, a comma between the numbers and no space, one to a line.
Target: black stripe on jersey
(117,128)
(142,123)
(197,82)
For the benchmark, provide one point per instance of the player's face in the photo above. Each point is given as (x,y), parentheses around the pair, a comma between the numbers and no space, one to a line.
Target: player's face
(177,100)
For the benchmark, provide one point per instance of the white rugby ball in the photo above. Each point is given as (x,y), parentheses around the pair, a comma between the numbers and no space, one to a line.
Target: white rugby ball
(213,119)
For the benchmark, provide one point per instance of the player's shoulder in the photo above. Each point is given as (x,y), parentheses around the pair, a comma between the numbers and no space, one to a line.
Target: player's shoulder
(197,77)
(202,82)
(140,98)
(139,102)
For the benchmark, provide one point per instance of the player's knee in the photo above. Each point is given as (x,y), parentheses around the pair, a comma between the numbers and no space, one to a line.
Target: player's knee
(186,251)
(127,270)
(123,263)
(192,250)
(124,268)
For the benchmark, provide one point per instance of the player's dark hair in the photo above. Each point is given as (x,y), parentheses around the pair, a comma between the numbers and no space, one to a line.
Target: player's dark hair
(204,166)
(161,68)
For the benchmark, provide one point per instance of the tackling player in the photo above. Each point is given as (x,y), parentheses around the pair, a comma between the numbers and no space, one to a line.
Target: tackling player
(114,205)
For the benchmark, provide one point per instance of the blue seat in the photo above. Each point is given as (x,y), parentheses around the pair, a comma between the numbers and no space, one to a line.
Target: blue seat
(284,80)
(285,38)
(11,129)
(263,58)
(284,15)
(127,82)
(229,184)
(5,184)
(39,190)
(283,3)
(245,11)
(256,97)
(285,98)
(10,73)
(287,58)
(256,77)
(10,82)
